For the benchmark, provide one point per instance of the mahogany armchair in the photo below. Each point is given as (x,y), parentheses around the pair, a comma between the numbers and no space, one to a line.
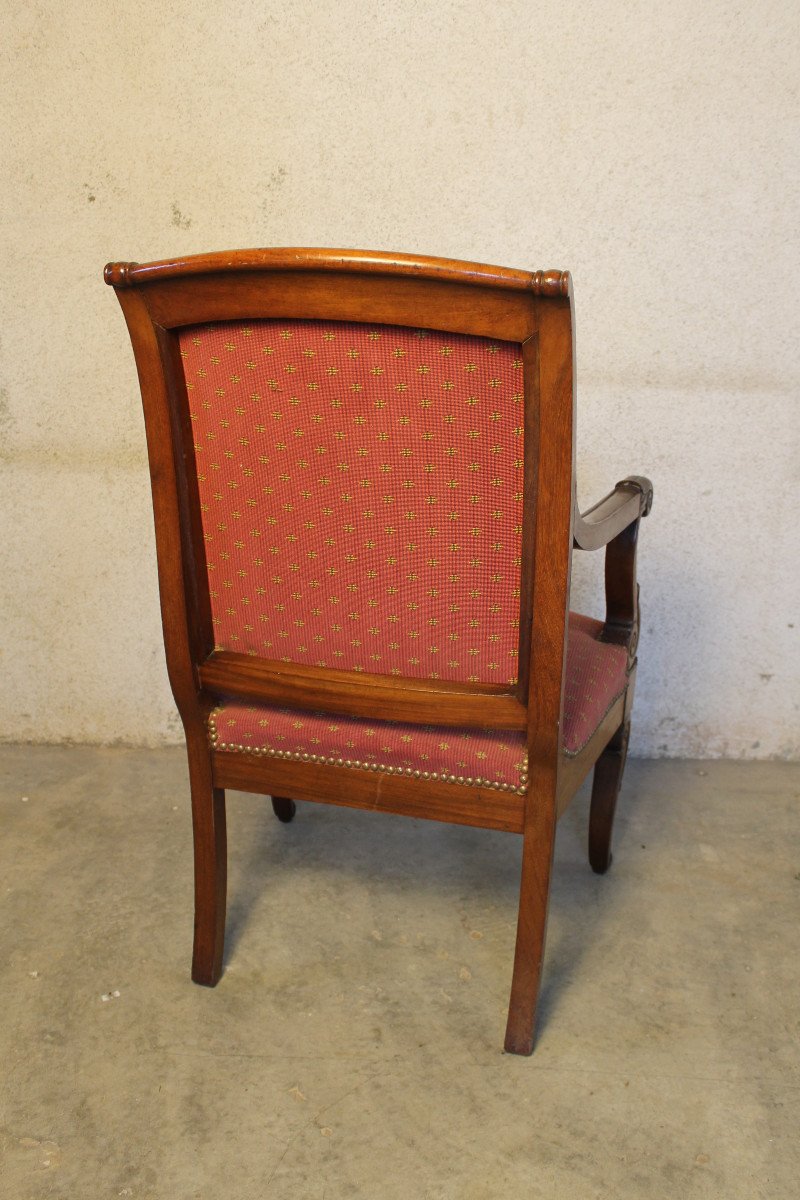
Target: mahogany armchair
(363,480)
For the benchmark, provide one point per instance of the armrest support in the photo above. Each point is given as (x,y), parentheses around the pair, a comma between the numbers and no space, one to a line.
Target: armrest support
(614,523)
(631,499)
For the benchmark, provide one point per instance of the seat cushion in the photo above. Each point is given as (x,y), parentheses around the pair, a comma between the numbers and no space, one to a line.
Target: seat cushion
(596,675)
(595,678)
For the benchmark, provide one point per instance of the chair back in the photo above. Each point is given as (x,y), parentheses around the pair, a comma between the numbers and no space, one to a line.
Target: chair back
(362,471)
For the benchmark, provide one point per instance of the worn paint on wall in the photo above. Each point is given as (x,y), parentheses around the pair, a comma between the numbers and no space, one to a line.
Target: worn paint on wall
(649,149)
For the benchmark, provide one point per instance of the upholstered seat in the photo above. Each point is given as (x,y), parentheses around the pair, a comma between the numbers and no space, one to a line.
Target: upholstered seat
(596,675)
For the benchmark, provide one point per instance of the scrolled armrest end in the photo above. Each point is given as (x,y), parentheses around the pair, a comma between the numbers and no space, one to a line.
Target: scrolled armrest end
(643,485)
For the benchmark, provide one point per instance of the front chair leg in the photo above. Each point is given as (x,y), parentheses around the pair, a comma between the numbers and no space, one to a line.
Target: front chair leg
(605,789)
(210,870)
(284,808)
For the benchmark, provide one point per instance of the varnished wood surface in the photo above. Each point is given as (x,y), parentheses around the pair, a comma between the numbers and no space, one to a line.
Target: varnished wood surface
(455,803)
(606,785)
(552,430)
(631,499)
(605,790)
(184,639)
(210,864)
(461,307)
(379,697)
(532,308)
(362,262)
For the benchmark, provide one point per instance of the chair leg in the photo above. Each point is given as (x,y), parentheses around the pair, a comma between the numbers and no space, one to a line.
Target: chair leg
(605,789)
(210,871)
(537,864)
(284,808)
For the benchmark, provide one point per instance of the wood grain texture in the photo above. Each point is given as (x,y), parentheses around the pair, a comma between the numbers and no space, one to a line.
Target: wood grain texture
(631,499)
(605,789)
(484,808)
(459,307)
(361,262)
(606,785)
(552,427)
(210,863)
(379,697)
(531,308)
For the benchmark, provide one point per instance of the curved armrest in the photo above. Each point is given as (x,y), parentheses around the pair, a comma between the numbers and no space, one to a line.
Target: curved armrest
(631,499)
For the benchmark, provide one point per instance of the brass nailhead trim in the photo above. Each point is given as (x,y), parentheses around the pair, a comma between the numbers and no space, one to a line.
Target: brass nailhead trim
(292,756)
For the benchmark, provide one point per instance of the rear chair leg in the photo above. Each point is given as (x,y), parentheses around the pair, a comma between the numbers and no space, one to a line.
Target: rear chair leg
(210,870)
(537,865)
(605,789)
(284,808)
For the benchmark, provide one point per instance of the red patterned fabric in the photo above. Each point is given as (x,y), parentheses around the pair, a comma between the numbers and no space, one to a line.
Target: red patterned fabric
(595,677)
(596,674)
(361,495)
(470,756)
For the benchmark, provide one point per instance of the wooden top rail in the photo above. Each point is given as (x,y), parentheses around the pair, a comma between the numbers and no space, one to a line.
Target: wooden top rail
(540,283)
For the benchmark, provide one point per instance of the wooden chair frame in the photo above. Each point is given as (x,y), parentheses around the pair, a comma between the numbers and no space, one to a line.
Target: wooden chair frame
(534,309)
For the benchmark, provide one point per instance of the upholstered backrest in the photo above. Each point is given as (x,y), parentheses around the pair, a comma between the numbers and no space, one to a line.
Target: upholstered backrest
(361,492)
(342,446)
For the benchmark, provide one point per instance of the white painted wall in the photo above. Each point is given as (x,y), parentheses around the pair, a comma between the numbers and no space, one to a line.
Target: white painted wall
(649,148)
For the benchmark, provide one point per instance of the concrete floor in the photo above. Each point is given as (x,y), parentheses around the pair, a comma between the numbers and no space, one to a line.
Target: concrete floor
(353,1047)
